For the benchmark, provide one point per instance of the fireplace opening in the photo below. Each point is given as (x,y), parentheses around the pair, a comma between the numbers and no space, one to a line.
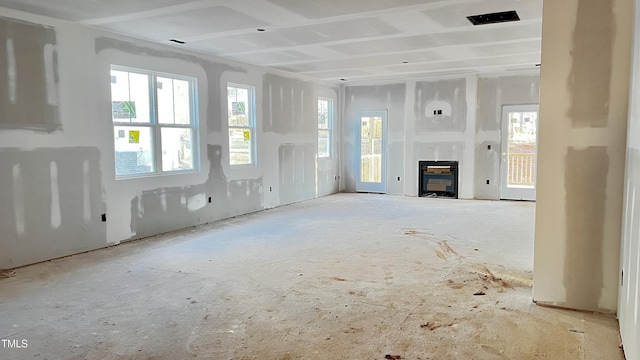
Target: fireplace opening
(438,179)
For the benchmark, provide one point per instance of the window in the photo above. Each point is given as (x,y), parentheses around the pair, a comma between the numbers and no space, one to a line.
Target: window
(154,122)
(242,124)
(325,124)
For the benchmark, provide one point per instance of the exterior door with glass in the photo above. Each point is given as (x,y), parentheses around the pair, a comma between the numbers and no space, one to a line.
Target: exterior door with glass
(371,145)
(519,152)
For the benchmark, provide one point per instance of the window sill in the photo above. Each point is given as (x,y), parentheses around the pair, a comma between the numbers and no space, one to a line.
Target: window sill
(156,175)
(243,167)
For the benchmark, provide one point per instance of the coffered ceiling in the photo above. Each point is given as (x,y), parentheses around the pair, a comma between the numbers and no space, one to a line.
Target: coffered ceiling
(354,40)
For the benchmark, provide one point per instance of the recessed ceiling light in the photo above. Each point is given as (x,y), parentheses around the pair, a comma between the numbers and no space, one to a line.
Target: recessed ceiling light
(261,30)
(177,41)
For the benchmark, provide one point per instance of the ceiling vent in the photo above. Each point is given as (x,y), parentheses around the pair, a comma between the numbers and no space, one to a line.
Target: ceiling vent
(493,18)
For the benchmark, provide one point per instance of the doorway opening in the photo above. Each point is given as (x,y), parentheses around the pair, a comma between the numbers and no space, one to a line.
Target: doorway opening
(519,152)
(371,145)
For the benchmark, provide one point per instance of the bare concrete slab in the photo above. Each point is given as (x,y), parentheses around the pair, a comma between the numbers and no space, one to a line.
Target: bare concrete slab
(349,276)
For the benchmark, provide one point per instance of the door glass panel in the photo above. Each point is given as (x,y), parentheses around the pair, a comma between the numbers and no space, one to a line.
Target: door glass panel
(521,149)
(371,149)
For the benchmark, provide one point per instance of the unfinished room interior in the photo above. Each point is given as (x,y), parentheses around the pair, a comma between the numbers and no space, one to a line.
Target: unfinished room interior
(305,179)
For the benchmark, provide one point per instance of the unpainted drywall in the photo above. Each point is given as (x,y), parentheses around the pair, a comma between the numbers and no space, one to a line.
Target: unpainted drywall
(593,40)
(328,169)
(51,204)
(28,76)
(285,106)
(441,106)
(435,151)
(213,69)
(581,161)
(150,205)
(328,182)
(297,173)
(284,102)
(487,178)
(416,134)
(585,184)
(493,94)
(442,137)
(629,283)
(165,209)
(390,97)
(496,92)
(629,295)
(290,121)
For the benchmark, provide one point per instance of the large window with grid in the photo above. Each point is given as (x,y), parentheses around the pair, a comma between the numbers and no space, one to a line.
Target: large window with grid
(241,105)
(325,125)
(155,122)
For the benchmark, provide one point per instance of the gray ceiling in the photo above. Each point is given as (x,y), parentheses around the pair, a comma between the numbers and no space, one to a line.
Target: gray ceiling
(358,40)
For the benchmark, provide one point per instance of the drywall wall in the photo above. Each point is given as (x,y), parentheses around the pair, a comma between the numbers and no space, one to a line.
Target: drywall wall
(391,98)
(493,94)
(297,180)
(442,137)
(58,189)
(629,294)
(28,59)
(471,116)
(50,196)
(581,145)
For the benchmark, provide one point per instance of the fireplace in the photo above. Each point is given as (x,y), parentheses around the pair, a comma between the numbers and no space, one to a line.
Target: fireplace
(438,179)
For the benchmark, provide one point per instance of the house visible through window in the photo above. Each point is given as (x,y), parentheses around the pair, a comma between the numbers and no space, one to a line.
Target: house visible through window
(325,123)
(154,121)
(242,124)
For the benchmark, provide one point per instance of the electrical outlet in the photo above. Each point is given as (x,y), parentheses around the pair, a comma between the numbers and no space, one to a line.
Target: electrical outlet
(488,182)
(104,217)
(209,199)
(398,178)
(488,147)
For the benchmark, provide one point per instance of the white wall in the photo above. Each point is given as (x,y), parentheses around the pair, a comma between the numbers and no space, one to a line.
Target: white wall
(57,177)
(584,84)
(471,119)
(629,295)
(494,93)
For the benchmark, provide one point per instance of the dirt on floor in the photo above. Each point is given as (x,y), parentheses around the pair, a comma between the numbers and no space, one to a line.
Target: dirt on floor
(331,284)
(470,312)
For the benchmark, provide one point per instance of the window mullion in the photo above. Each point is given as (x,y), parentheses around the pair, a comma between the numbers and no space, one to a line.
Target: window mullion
(157,140)
(133,160)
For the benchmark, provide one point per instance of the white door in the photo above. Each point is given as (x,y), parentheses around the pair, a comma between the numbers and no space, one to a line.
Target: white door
(371,145)
(519,152)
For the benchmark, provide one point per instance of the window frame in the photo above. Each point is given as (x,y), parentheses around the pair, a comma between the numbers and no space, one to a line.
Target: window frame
(328,129)
(252,126)
(156,127)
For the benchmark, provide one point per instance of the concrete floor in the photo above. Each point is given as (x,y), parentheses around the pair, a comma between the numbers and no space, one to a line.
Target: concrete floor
(342,277)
